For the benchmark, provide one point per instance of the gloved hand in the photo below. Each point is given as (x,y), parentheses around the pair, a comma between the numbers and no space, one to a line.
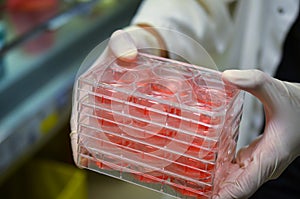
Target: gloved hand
(269,155)
(124,45)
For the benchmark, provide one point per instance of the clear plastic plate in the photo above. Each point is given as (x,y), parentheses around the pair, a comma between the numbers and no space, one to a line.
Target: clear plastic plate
(166,125)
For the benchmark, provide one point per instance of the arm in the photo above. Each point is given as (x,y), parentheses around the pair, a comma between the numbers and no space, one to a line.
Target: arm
(205,21)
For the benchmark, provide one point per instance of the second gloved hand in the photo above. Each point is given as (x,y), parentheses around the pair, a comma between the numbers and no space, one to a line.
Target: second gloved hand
(269,155)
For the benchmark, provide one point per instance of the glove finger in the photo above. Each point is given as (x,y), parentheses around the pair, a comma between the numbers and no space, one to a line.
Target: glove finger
(255,82)
(244,155)
(122,46)
(242,186)
(147,39)
(281,104)
(74,144)
(242,182)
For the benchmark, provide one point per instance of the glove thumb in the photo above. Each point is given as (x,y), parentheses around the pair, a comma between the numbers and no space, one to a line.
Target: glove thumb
(257,83)
(122,46)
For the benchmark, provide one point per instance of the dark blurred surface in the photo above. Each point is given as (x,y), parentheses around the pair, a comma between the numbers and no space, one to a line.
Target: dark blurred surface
(42,48)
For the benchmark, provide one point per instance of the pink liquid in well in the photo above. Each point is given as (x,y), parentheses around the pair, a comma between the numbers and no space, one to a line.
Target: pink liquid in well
(151,177)
(191,189)
(186,166)
(148,122)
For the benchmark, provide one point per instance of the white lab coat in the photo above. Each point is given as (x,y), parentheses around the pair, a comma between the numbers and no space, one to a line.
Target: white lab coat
(247,37)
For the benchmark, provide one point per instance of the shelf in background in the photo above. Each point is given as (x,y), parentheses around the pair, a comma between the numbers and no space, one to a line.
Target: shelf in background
(36,88)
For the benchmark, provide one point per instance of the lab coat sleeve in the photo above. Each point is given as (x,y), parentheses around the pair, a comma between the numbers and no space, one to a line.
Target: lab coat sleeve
(207,22)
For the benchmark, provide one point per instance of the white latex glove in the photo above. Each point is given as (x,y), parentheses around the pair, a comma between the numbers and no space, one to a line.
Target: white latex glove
(269,155)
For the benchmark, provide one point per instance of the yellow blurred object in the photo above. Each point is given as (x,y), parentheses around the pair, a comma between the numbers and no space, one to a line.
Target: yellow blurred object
(49,123)
(57,180)
(48,179)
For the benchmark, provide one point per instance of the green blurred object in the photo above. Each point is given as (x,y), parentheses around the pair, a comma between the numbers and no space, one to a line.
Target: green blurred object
(48,179)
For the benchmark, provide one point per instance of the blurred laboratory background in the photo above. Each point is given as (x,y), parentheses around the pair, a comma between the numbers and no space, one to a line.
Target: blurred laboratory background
(42,44)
